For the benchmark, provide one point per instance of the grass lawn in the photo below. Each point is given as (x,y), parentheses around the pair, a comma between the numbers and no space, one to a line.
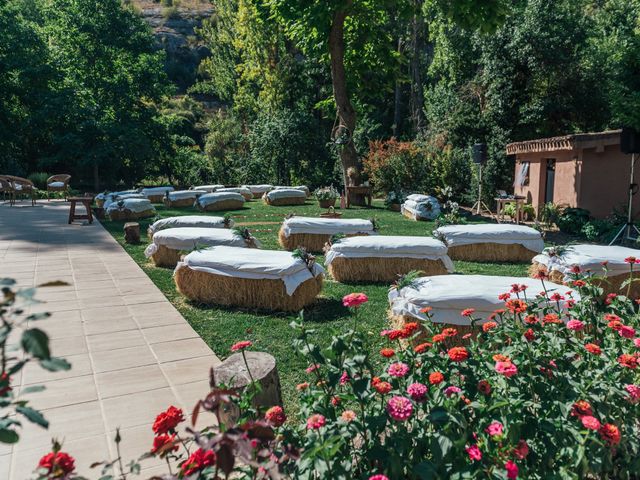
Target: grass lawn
(221,327)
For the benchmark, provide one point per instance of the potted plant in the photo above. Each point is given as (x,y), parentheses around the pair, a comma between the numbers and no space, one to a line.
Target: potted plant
(327,196)
(394,199)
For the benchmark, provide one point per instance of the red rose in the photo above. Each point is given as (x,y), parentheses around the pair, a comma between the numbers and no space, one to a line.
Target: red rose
(57,464)
(159,443)
(458,354)
(241,345)
(198,461)
(168,421)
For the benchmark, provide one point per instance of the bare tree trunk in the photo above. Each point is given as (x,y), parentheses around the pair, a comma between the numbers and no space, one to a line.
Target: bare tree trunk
(416,100)
(397,101)
(345,110)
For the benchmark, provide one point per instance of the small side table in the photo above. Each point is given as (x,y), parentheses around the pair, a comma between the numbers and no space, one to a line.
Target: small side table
(502,202)
(86,201)
(360,190)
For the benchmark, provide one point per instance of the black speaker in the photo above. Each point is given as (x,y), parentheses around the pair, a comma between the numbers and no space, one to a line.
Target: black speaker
(629,140)
(479,153)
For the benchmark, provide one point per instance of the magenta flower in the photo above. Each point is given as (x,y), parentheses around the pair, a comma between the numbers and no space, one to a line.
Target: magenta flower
(378,477)
(592,423)
(474,453)
(634,392)
(399,408)
(354,299)
(344,378)
(316,421)
(451,390)
(575,325)
(508,369)
(512,470)
(626,331)
(494,429)
(398,369)
(417,391)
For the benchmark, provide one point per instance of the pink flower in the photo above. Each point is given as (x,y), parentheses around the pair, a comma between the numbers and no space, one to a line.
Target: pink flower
(398,369)
(631,260)
(590,422)
(316,421)
(634,392)
(494,429)
(467,312)
(241,345)
(636,342)
(378,477)
(399,408)
(312,368)
(451,390)
(576,325)
(275,416)
(348,416)
(344,378)
(508,369)
(512,470)
(521,450)
(474,453)
(354,299)
(417,391)
(626,331)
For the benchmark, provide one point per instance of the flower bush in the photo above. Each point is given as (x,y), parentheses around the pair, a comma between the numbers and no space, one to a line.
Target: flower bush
(535,392)
(326,193)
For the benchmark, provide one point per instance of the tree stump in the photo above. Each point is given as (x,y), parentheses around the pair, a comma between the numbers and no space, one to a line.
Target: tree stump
(232,373)
(98,212)
(132,232)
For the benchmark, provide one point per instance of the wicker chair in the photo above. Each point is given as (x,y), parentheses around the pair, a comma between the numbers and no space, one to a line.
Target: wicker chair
(6,189)
(58,183)
(22,187)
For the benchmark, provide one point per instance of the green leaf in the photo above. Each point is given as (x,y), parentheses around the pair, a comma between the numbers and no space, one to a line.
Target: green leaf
(439,416)
(8,436)
(426,471)
(33,416)
(55,364)
(32,389)
(36,342)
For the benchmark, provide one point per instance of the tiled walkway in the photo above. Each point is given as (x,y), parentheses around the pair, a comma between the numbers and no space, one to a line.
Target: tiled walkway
(132,353)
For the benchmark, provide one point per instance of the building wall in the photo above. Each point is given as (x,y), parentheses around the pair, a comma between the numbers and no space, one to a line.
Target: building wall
(605,181)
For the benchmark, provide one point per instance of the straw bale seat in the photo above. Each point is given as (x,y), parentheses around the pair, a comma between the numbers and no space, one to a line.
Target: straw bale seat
(259,190)
(270,280)
(420,207)
(208,188)
(303,188)
(103,199)
(590,259)
(200,221)
(285,196)
(490,242)
(130,209)
(169,245)
(380,258)
(245,192)
(156,194)
(313,233)
(213,202)
(449,295)
(181,198)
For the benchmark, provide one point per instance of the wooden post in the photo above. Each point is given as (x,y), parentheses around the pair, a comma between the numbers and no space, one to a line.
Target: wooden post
(233,373)
(132,232)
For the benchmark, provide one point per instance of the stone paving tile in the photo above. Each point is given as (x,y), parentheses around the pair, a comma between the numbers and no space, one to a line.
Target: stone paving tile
(131,351)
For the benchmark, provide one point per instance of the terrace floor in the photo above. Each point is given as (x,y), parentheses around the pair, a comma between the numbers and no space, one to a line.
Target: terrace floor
(132,353)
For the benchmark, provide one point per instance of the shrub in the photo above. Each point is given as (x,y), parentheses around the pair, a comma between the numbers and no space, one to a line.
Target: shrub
(571,220)
(527,209)
(39,179)
(549,214)
(326,193)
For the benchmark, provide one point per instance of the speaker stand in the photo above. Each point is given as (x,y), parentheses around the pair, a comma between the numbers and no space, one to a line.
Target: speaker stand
(480,207)
(625,231)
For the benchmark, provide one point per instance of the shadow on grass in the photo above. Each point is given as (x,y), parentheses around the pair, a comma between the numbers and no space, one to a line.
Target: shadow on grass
(325,310)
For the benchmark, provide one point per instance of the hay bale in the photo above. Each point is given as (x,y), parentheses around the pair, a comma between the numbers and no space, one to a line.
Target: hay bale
(178,203)
(99,202)
(166,257)
(260,294)
(382,270)
(222,205)
(182,221)
(217,201)
(284,201)
(156,198)
(311,241)
(491,252)
(128,215)
(609,283)
(313,233)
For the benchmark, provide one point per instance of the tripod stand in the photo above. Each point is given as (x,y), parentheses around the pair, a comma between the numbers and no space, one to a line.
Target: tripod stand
(626,230)
(480,207)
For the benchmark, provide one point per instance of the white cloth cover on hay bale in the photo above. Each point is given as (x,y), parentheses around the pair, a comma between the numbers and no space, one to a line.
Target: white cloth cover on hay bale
(455,235)
(589,258)
(327,226)
(188,238)
(421,207)
(207,188)
(202,221)
(105,195)
(252,263)
(245,192)
(448,295)
(117,197)
(210,198)
(379,246)
(278,193)
(135,205)
(156,191)
(259,189)
(184,194)
(304,188)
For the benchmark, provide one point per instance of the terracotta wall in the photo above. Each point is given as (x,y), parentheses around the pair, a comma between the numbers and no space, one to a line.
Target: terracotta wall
(597,181)
(605,181)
